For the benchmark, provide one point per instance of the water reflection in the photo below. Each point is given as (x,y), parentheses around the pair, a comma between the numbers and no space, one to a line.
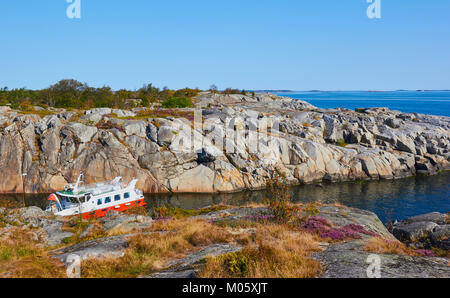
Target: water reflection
(389,199)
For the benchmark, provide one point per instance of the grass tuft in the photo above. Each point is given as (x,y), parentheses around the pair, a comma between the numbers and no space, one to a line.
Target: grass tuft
(275,252)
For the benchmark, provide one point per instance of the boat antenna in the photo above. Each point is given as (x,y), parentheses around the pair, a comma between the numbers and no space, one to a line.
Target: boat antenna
(75,188)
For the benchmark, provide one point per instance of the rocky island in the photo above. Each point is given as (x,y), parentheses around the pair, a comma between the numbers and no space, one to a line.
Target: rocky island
(41,151)
(227,143)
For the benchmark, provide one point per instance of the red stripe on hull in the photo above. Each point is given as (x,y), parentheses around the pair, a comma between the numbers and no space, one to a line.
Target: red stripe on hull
(120,208)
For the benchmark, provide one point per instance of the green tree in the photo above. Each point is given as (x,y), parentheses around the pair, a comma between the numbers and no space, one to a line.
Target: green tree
(67,93)
(148,94)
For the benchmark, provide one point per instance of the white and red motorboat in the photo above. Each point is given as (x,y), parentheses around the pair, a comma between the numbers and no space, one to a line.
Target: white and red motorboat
(96,200)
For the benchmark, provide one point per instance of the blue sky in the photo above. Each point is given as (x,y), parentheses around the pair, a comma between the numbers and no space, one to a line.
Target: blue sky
(251,44)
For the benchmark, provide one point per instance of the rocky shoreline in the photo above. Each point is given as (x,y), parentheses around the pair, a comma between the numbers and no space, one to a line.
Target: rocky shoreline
(41,153)
(111,238)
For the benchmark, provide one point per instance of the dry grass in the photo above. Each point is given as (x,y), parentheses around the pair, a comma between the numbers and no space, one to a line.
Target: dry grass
(383,246)
(254,205)
(21,256)
(274,252)
(148,252)
(77,225)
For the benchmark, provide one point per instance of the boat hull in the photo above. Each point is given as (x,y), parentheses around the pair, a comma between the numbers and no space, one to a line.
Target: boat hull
(119,208)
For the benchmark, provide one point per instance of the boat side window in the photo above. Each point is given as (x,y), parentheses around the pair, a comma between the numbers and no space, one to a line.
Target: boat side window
(87,198)
(126,195)
(117,198)
(99,202)
(107,200)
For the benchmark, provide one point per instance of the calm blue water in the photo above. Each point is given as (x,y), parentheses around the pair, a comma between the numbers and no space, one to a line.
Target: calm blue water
(429,102)
(389,199)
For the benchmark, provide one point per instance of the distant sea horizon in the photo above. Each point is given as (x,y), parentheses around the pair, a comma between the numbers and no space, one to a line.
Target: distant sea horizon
(431,102)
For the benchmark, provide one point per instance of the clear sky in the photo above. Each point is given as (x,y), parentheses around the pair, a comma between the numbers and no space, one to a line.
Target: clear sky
(250,44)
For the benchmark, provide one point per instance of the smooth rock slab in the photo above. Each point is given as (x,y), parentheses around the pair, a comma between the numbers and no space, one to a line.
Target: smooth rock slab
(199,179)
(436,217)
(188,266)
(342,216)
(125,223)
(347,260)
(55,234)
(413,231)
(234,213)
(209,251)
(190,273)
(97,248)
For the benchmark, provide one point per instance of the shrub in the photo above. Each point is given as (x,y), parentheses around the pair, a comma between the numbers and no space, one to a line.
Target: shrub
(26,106)
(310,209)
(316,225)
(279,201)
(341,143)
(177,102)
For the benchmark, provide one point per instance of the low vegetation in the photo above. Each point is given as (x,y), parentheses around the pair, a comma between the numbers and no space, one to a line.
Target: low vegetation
(274,242)
(77,226)
(161,113)
(385,246)
(177,102)
(341,143)
(163,212)
(147,252)
(70,93)
(22,256)
(273,252)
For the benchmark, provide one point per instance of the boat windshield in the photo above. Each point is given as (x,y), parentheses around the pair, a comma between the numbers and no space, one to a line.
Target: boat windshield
(68,202)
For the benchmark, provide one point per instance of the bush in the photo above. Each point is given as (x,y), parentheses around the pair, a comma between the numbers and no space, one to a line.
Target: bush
(177,102)
(279,201)
(26,106)
(341,143)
